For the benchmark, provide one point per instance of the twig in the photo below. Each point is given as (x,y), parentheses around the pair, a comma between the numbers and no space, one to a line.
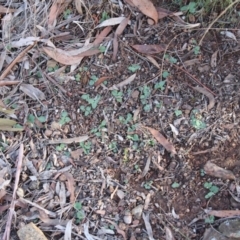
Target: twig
(221,14)
(12,206)
(10,66)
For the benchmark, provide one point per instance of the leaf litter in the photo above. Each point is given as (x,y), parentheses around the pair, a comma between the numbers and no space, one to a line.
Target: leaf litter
(103,161)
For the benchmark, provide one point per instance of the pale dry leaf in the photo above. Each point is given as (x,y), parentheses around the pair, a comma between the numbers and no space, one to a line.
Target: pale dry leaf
(162,13)
(62,195)
(65,58)
(146,168)
(207,94)
(70,185)
(174,129)
(111,22)
(6,26)
(6,10)
(229,35)
(24,42)
(162,140)
(124,83)
(216,171)
(68,231)
(169,234)
(153,61)
(102,35)
(223,213)
(191,62)
(150,49)
(146,7)
(214,59)
(78,4)
(69,140)
(148,225)
(32,92)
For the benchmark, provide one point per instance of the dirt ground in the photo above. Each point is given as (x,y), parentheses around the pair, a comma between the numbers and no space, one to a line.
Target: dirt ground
(119,181)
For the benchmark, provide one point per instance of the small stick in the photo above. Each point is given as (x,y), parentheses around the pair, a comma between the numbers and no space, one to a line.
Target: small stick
(12,206)
(10,66)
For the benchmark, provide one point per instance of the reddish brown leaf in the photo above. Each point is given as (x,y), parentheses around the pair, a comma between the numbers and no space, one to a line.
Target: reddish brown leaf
(70,185)
(216,171)
(101,80)
(146,7)
(100,37)
(162,140)
(150,49)
(224,213)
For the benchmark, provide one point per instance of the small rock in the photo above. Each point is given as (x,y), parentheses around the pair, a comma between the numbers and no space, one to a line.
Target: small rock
(230,228)
(48,132)
(137,211)
(120,194)
(30,232)
(127,217)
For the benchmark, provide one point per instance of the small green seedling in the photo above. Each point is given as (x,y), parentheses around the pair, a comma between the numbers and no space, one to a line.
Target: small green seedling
(113,146)
(77,77)
(133,68)
(148,185)
(210,219)
(86,146)
(79,215)
(60,147)
(104,17)
(165,74)
(126,120)
(102,49)
(176,185)
(118,95)
(67,13)
(133,137)
(145,94)
(147,108)
(178,112)
(97,130)
(132,128)
(190,8)
(196,120)
(160,85)
(31,118)
(92,80)
(87,110)
(212,189)
(93,102)
(170,58)
(202,172)
(64,118)
(53,69)
(196,50)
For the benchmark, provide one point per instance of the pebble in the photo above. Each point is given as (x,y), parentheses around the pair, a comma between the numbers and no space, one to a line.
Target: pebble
(127,217)
(137,211)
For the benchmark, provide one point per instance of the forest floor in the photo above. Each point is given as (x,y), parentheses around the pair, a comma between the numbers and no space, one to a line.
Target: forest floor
(119,121)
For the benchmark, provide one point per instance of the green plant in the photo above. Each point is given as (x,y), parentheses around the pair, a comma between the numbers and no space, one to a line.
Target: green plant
(60,147)
(67,13)
(176,185)
(202,172)
(77,77)
(118,95)
(64,118)
(104,17)
(165,74)
(196,50)
(210,219)
(134,67)
(145,93)
(178,112)
(86,146)
(160,85)
(196,120)
(191,7)
(97,130)
(53,69)
(93,102)
(92,80)
(126,120)
(147,108)
(133,137)
(113,146)
(79,214)
(148,185)
(102,49)
(212,189)
(170,58)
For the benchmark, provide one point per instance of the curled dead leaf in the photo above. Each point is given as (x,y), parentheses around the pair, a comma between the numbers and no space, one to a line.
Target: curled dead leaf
(216,171)
(207,94)
(150,49)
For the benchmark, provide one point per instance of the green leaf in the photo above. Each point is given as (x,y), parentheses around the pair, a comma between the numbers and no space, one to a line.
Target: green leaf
(134,67)
(93,79)
(42,119)
(147,108)
(196,50)
(197,123)
(64,114)
(214,189)
(178,112)
(31,118)
(78,206)
(210,219)
(85,96)
(102,49)
(210,194)
(165,74)
(207,185)
(160,85)
(176,185)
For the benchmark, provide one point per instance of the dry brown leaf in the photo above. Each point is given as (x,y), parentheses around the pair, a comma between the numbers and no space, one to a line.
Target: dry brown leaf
(101,80)
(146,7)
(148,225)
(6,10)
(124,83)
(78,4)
(216,171)
(224,213)
(153,61)
(69,140)
(208,94)
(65,58)
(162,13)
(100,37)
(150,49)
(162,140)
(32,92)
(214,59)
(70,185)
(169,234)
